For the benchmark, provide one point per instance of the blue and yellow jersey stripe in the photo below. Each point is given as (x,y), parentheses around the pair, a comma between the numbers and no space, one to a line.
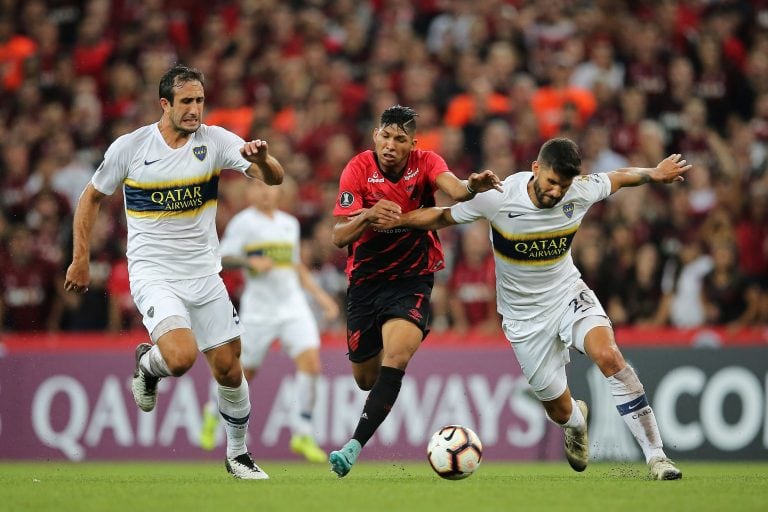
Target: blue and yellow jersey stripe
(533,248)
(281,253)
(177,198)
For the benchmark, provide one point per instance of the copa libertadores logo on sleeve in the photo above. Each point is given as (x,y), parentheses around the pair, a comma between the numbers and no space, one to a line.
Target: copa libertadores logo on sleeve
(346,199)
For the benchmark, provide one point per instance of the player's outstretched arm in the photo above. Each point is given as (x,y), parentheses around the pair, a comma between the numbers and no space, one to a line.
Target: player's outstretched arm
(464,190)
(427,219)
(263,165)
(78,272)
(669,170)
(350,228)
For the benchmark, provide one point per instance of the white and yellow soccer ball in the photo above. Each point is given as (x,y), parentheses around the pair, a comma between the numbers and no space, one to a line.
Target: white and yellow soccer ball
(454,452)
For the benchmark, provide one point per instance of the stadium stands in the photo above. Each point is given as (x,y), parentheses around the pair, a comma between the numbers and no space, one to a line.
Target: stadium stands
(630,81)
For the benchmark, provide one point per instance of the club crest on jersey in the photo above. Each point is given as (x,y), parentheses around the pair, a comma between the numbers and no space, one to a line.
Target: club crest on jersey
(346,199)
(568,210)
(200,152)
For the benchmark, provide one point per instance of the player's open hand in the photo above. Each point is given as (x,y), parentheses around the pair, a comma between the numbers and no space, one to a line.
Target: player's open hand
(670,169)
(384,214)
(482,181)
(255,151)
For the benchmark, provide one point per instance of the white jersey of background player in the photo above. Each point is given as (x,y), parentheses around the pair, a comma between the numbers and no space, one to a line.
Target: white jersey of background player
(265,243)
(169,172)
(546,307)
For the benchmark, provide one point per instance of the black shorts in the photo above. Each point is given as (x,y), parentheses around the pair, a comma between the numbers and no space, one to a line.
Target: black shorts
(369,305)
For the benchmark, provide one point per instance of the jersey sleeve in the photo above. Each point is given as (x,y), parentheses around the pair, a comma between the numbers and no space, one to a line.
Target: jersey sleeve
(114,168)
(437,166)
(592,188)
(229,149)
(483,206)
(350,196)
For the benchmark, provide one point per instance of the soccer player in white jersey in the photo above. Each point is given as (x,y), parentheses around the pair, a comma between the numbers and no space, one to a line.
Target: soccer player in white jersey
(546,307)
(264,242)
(169,172)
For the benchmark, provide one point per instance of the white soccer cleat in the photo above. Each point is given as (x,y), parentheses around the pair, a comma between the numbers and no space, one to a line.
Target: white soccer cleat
(661,468)
(577,442)
(244,468)
(143,386)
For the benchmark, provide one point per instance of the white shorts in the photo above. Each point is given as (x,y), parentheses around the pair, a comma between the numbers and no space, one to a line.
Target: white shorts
(542,344)
(295,334)
(202,305)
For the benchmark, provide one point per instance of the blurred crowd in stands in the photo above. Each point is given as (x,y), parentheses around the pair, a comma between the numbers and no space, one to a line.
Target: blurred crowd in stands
(491,80)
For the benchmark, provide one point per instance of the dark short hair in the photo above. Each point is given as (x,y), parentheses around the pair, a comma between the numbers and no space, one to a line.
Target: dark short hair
(400,116)
(562,155)
(178,75)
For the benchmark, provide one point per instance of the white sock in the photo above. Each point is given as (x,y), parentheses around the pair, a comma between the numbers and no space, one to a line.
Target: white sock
(235,408)
(577,419)
(152,362)
(632,404)
(305,389)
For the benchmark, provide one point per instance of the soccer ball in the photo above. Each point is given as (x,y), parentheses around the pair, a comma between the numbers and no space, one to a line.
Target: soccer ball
(454,452)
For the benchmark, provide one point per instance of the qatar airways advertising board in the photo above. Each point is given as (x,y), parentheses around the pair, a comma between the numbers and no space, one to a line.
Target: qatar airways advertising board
(710,404)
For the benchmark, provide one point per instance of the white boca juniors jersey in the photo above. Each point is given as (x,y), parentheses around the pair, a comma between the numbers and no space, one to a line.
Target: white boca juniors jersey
(531,245)
(170,198)
(275,295)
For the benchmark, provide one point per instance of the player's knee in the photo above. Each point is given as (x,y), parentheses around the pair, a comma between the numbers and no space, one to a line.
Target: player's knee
(397,358)
(608,359)
(365,382)
(228,373)
(230,380)
(179,364)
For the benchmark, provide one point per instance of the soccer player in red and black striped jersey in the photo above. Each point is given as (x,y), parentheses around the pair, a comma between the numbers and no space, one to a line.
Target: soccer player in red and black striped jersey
(390,272)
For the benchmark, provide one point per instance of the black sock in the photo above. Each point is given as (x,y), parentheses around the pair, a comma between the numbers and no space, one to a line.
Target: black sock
(379,402)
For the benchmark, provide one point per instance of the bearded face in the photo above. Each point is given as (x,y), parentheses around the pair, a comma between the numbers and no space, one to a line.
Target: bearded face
(548,187)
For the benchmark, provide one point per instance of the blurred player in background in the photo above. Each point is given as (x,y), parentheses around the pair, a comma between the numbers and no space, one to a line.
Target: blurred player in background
(264,242)
(169,172)
(546,307)
(390,272)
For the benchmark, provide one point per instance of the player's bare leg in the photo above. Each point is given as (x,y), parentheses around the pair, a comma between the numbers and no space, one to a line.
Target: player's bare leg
(173,354)
(235,408)
(572,416)
(401,340)
(631,401)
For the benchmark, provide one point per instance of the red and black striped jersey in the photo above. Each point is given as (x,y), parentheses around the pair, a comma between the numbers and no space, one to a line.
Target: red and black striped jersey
(401,252)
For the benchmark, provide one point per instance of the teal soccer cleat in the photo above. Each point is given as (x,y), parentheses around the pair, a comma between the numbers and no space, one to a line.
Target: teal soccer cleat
(342,460)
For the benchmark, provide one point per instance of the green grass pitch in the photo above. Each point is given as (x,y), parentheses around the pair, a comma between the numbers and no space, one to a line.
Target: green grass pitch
(374,486)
